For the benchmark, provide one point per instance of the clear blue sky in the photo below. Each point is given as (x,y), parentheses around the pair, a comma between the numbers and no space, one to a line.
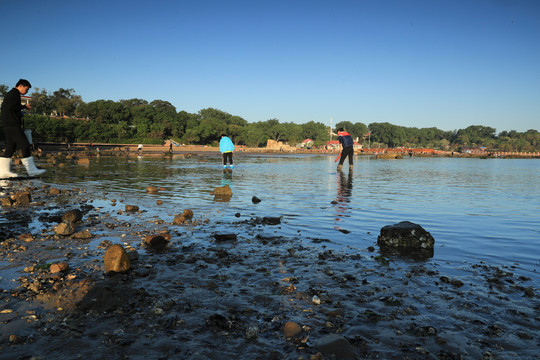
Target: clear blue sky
(425,63)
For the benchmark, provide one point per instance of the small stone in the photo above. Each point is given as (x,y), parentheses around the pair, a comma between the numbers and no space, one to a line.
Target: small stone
(152,190)
(26,237)
(255,200)
(291,329)
(336,345)
(271,220)
(72,216)
(14,339)
(6,202)
(83,234)
(22,198)
(179,219)
(59,267)
(64,229)
(156,242)
(188,214)
(116,259)
(223,190)
(132,208)
(252,332)
(224,237)
(54,191)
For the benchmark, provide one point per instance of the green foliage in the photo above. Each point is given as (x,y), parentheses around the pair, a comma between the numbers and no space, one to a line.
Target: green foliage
(3,89)
(316,131)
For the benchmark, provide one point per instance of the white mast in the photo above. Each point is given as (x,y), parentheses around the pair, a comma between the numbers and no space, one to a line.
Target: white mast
(330,129)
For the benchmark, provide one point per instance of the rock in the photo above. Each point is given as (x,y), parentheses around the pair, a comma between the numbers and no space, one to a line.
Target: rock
(72,216)
(83,235)
(152,190)
(389,155)
(6,202)
(291,329)
(116,259)
(54,191)
(223,193)
(15,339)
(255,200)
(83,161)
(336,345)
(133,255)
(188,214)
(179,219)
(159,202)
(406,238)
(59,267)
(132,208)
(64,229)
(225,237)
(270,220)
(26,237)
(22,198)
(156,242)
(252,332)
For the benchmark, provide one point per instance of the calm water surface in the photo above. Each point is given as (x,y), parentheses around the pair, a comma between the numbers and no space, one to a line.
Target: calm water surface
(477,210)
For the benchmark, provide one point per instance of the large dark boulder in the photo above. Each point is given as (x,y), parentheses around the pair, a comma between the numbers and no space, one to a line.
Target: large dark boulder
(406,238)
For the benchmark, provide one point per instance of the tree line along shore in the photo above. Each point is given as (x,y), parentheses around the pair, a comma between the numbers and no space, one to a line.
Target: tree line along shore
(63,117)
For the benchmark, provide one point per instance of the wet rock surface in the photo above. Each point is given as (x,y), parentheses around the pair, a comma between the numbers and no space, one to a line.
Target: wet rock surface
(406,238)
(248,295)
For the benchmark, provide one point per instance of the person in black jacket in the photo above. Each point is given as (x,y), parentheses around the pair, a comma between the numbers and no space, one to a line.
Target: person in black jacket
(347,143)
(11,113)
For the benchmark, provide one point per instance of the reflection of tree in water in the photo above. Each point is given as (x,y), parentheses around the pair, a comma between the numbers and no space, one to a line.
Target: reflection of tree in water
(344,192)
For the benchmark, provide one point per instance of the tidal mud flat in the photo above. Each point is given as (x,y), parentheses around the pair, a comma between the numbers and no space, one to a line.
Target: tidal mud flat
(236,291)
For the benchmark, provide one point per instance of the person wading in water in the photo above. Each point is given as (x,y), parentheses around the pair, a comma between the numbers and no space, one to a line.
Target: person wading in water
(346,141)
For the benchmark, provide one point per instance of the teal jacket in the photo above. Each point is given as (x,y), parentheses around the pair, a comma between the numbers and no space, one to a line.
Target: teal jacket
(226,145)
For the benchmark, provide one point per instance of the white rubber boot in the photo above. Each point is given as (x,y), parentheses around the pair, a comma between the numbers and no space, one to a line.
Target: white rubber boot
(30,166)
(5,168)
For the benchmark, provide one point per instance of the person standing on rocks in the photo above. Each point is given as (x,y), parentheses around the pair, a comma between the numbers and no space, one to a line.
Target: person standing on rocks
(346,142)
(226,147)
(11,113)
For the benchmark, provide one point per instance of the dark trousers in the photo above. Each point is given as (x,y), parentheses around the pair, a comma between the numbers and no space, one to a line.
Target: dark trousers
(15,139)
(227,155)
(346,152)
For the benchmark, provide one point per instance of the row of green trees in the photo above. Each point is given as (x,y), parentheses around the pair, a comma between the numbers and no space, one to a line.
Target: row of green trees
(62,116)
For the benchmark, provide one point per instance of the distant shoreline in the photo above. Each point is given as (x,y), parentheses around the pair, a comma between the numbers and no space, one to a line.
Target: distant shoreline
(107,148)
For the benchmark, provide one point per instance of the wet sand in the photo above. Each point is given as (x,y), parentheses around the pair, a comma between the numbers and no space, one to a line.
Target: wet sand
(204,298)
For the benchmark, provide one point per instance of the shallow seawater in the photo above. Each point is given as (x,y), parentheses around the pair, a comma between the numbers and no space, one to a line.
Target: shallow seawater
(478,210)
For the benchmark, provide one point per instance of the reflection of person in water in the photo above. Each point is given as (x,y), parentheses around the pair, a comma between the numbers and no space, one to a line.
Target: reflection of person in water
(344,192)
(227,178)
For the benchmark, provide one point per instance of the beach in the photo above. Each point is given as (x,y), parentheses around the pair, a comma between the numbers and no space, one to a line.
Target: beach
(247,293)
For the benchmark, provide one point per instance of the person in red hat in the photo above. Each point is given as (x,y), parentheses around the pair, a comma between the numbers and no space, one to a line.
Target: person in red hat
(346,142)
